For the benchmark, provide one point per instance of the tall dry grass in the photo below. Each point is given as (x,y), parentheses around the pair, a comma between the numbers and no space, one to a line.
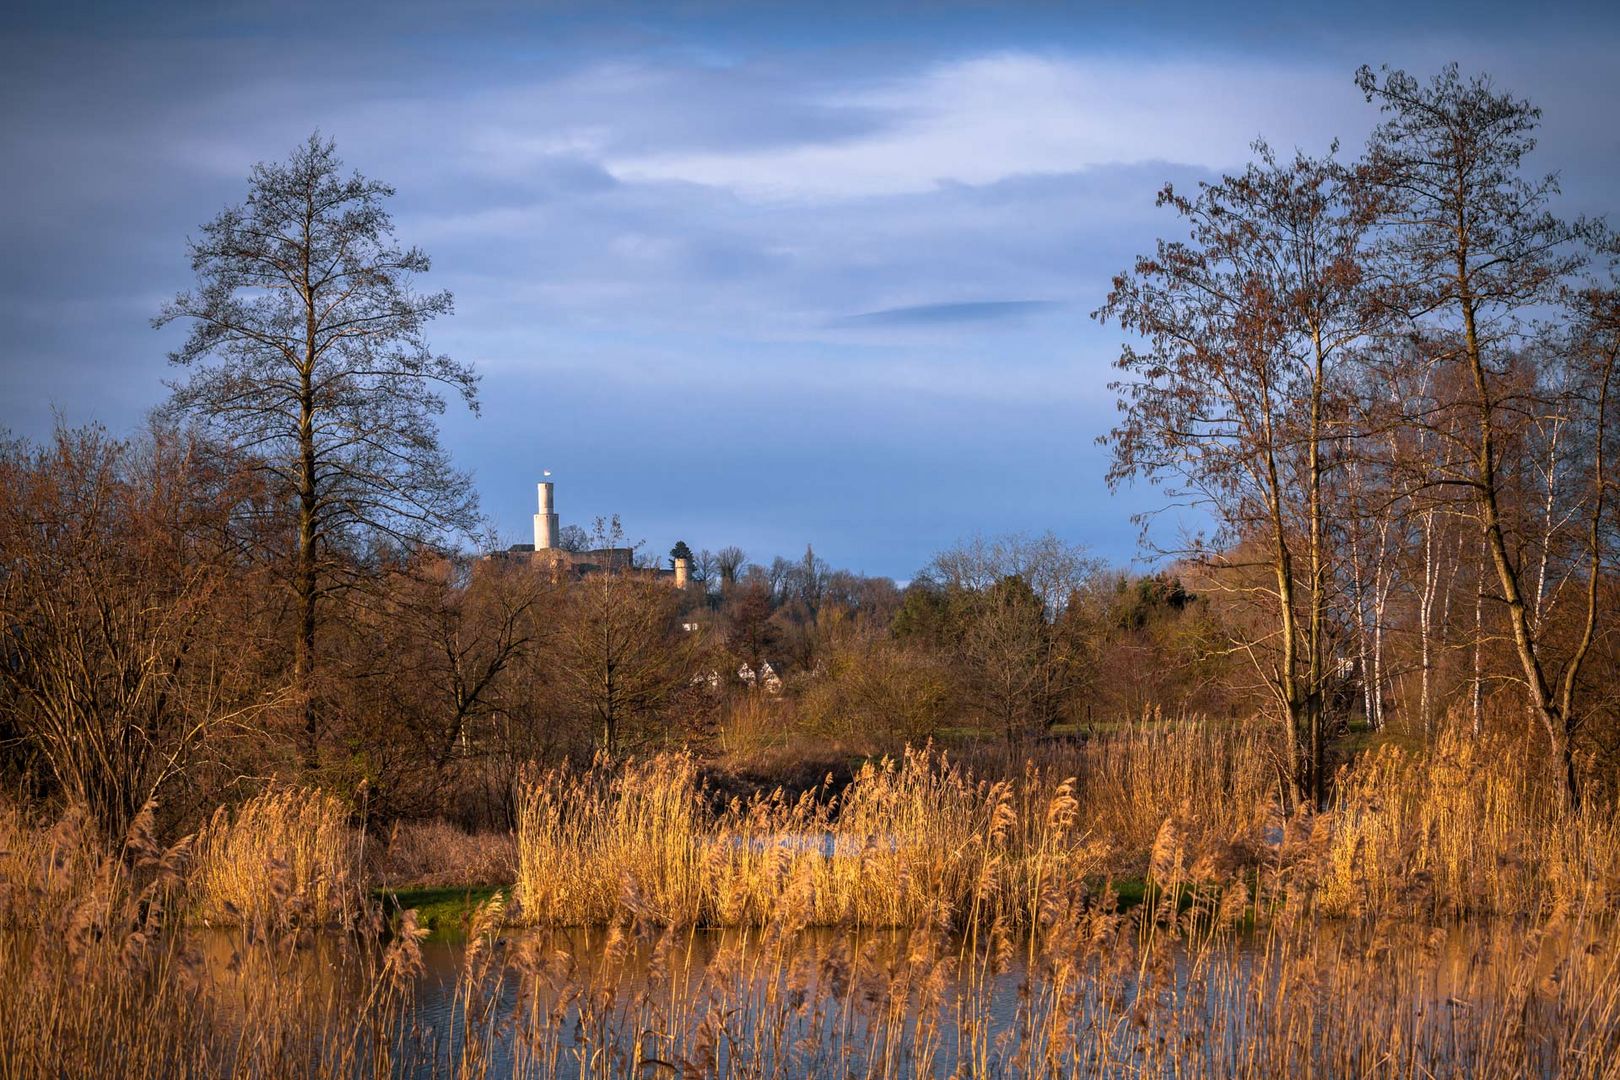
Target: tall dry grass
(1096,992)
(437,853)
(911,841)
(288,857)
(1444,917)
(1217,778)
(108,975)
(1099,994)
(595,843)
(1465,828)
(1469,827)
(44,869)
(915,840)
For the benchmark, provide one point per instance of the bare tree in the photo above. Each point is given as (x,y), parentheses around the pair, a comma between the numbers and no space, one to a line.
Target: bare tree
(1049,566)
(728,562)
(306,306)
(573,538)
(1015,667)
(751,634)
(1242,323)
(621,661)
(1369,571)
(996,608)
(1471,251)
(704,570)
(433,640)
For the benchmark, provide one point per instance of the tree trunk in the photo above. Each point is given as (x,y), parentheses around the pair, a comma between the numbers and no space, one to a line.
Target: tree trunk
(1431,582)
(1287,682)
(1315,706)
(1524,641)
(308,508)
(1477,691)
(1594,534)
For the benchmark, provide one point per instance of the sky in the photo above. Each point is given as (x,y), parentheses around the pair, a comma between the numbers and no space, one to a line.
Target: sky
(763,275)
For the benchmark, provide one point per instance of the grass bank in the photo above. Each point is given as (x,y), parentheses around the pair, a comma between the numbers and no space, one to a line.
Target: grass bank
(446,912)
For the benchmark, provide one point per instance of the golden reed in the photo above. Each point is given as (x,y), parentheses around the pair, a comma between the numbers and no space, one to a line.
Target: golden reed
(1441,918)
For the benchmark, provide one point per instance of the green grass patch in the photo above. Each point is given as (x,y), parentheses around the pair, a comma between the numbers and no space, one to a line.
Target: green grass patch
(1132,893)
(446,911)
(1129,892)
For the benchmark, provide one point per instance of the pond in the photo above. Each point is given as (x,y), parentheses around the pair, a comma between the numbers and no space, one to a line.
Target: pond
(1093,998)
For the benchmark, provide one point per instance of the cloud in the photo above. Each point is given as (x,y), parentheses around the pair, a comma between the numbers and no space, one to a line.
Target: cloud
(973,311)
(796,260)
(983,119)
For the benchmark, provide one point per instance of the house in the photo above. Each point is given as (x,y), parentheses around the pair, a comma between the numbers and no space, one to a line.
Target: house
(772,681)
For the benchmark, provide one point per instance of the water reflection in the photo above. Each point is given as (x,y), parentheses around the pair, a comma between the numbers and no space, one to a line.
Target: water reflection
(1124,996)
(828,1002)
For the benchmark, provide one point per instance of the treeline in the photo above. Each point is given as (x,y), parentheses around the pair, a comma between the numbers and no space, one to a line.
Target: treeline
(152,621)
(1006,639)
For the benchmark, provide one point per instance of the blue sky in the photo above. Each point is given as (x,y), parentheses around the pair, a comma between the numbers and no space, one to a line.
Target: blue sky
(760,275)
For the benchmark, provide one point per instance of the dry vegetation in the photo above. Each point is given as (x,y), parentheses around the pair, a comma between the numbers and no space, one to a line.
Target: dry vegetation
(908,841)
(1091,992)
(287,857)
(109,973)
(437,853)
(1440,918)
(1463,829)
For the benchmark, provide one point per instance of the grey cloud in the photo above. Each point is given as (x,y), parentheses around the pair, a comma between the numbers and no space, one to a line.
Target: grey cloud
(617,318)
(973,311)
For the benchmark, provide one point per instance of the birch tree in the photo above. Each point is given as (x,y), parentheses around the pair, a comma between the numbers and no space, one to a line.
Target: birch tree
(1471,251)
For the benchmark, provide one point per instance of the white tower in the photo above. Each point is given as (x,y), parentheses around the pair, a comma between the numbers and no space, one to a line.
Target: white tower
(545,522)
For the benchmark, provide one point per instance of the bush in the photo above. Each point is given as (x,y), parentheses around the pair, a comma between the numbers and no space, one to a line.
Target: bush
(880,694)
